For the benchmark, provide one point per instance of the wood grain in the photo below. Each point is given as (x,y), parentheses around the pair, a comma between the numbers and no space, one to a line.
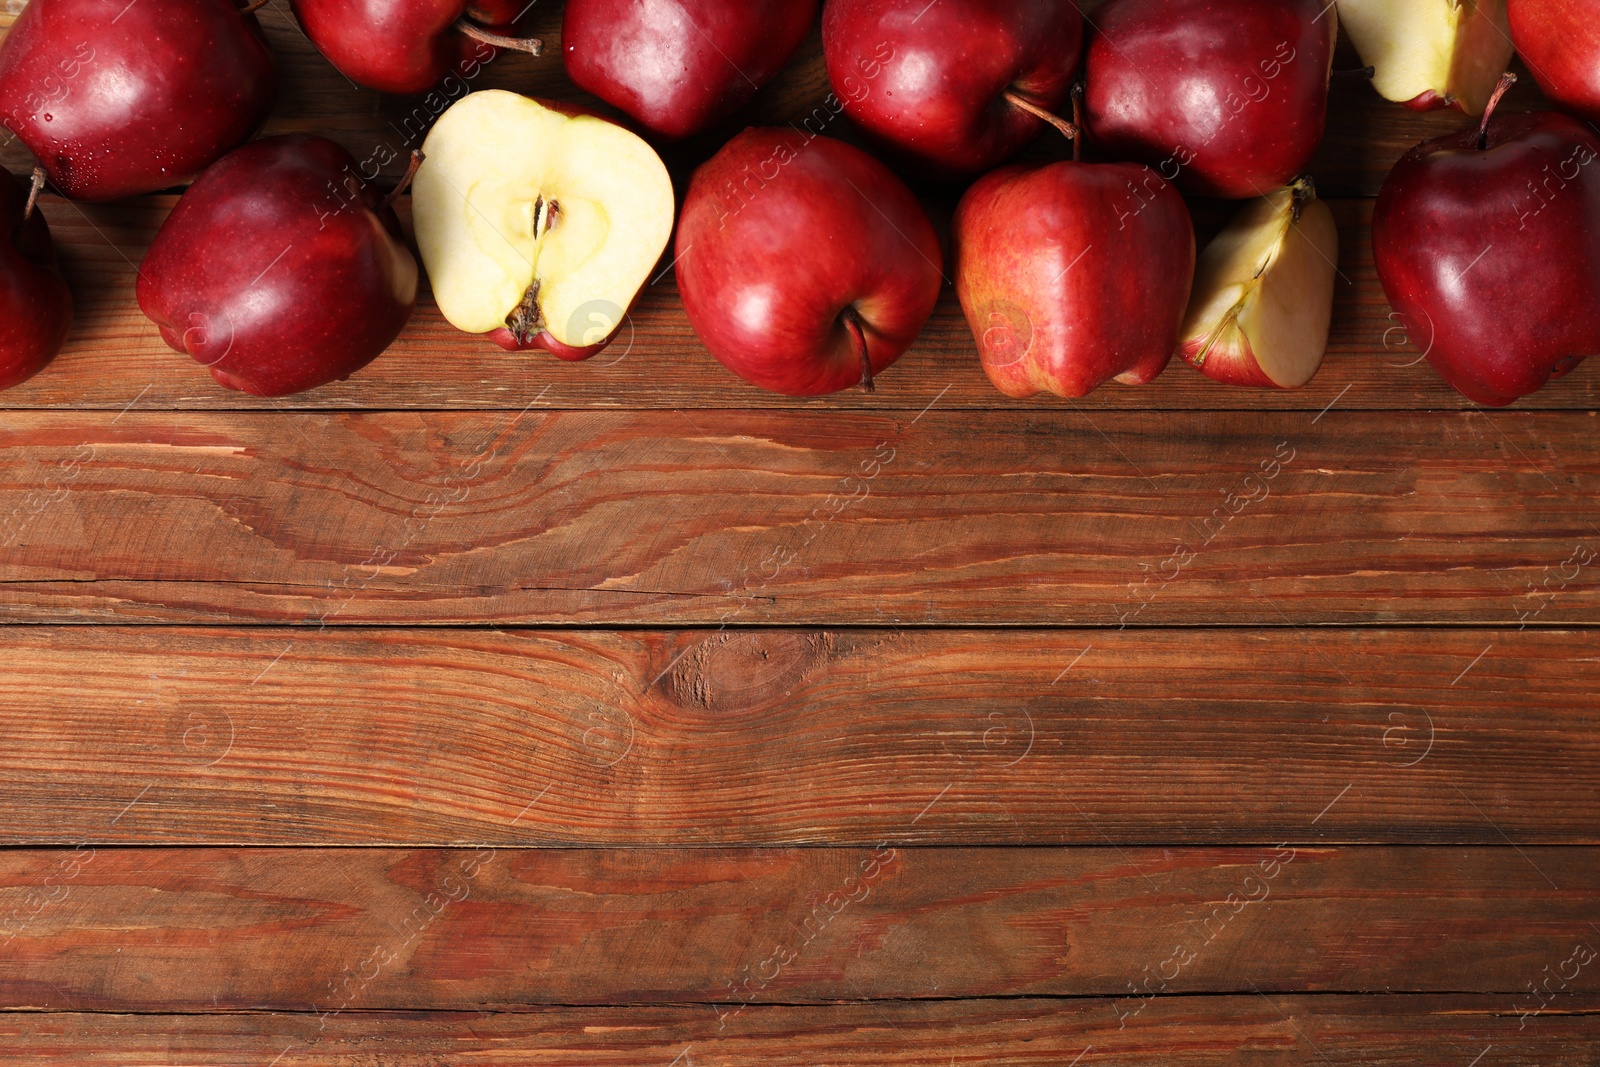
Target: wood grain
(180,736)
(1263,1031)
(718,518)
(351,930)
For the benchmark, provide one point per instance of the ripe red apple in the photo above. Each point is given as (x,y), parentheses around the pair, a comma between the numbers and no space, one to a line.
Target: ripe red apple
(409,46)
(278,271)
(1560,43)
(35,305)
(804,264)
(957,86)
(117,99)
(680,66)
(1224,97)
(1488,246)
(1071,274)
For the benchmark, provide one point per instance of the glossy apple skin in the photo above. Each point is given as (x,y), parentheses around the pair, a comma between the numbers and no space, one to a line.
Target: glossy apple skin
(275,273)
(1226,98)
(680,66)
(1497,283)
(35,304)
(117,99)
(402,46)
(1072,274)
(1559,41)
(779,236)
(879,53)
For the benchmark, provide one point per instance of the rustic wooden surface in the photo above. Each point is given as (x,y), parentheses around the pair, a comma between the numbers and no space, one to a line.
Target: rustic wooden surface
(1165,736)
(485,709)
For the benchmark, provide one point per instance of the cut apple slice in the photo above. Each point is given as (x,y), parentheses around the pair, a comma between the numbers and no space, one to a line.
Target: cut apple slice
(1431,53)
(535,226)
(1263,293)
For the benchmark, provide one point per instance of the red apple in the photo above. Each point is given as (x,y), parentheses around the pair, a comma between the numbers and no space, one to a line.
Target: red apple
(1560,42)
(1224,97)
(278,271)
(118,99)
(409,46)
(1072,274)
(680,66)
(35,306)
(956,86)
(804,264)
(1488,246)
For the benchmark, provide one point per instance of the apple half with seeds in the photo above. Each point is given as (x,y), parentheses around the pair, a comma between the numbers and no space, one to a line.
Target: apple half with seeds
(538,228)
(1430,54)
(1263,293)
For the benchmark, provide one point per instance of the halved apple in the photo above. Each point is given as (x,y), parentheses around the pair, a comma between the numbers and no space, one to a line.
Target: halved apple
(1431,53)
(538,228)
(1263,293)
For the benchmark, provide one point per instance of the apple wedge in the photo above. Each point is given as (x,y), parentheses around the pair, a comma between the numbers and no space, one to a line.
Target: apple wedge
(1431,53)
(538,228)
(1263,293)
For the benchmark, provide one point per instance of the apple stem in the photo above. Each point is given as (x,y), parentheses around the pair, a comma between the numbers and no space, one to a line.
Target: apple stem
(253,7)
(531,45)
(405,179)
(1068,130)
(1507,80)
(33,197)
(858,339)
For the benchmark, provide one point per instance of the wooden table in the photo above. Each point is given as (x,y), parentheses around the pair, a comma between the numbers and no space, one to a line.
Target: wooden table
(490,710)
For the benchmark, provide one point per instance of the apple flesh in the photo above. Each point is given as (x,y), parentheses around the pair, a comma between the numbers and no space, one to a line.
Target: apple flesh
(1430,54)
(117,99)
(1560,42)
(936,82)
(804,264)
(1263,293)
(1073,274)
(1226,98)
(35,305)
(1488,247)
(409,46)
(680,66)
(538,228)
(277,271)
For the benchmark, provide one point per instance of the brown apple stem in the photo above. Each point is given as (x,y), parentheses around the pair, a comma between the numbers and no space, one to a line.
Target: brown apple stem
(254,6)
(1068,130)
(405,179)
(1507,80)
(33,196)
(531,45)
(858,339)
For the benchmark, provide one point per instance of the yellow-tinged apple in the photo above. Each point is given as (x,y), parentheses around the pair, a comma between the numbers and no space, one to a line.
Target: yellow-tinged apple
(1263,293)
(538,227)
(1431,53)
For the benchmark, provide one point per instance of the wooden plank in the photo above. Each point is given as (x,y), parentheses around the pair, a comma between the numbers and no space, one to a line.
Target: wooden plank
(736,518)
(1366,134)
(115,358)
(353,930)
(179,736)
(1263,1031)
